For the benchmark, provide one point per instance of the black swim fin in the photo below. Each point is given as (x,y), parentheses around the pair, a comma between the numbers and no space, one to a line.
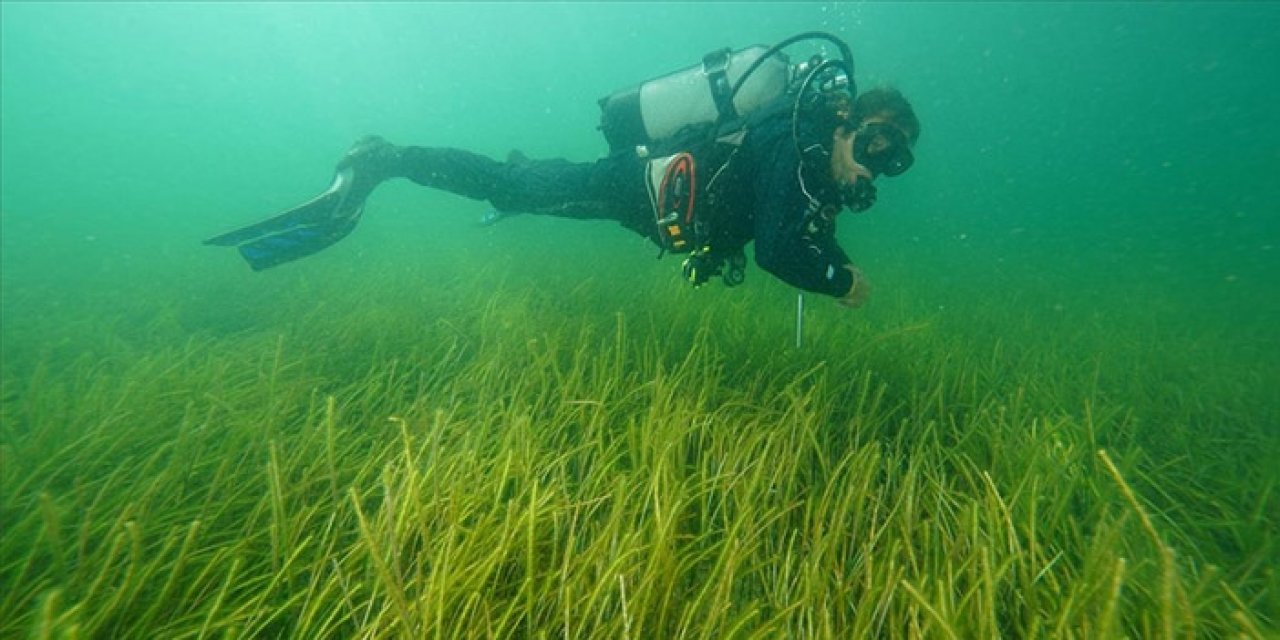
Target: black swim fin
(300,231)
(320,221)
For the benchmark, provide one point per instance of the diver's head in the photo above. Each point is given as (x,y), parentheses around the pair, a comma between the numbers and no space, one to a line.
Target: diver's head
(887,130)
(875,139)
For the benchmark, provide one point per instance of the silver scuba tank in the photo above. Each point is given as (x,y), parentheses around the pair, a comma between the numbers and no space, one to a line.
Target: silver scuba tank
(660,108)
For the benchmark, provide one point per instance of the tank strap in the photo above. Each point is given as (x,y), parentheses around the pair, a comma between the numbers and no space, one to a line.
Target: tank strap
(715,65)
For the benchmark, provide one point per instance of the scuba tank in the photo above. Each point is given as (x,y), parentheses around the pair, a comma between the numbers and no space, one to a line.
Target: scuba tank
(699,95)
(727,86)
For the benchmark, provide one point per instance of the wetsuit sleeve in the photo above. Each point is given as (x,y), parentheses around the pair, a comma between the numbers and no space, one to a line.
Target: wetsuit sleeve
(801,254)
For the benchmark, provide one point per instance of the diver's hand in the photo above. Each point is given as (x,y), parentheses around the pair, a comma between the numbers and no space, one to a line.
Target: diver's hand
(858,292)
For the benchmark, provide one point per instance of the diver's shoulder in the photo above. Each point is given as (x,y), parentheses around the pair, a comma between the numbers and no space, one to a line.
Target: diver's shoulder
(768,125)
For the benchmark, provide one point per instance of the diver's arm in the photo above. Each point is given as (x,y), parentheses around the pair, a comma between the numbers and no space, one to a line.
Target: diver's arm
(802,264)
(806,258)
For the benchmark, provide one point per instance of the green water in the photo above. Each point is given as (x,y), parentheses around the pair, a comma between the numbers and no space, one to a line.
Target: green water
(1077,154)
(1095,191)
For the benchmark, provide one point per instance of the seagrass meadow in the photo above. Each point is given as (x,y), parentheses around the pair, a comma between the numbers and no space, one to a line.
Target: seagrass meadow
(1057,416)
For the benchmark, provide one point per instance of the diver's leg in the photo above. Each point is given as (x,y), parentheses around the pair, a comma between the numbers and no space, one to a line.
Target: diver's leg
(372,160)
(604,189)
(611,188)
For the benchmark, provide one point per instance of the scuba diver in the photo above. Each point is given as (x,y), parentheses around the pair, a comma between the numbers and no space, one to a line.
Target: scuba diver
(744,147)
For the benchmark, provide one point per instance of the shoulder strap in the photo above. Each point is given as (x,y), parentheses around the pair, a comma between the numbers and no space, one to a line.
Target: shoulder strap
(715,66)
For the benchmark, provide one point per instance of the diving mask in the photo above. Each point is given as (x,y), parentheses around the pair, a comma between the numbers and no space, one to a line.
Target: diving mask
(883,149)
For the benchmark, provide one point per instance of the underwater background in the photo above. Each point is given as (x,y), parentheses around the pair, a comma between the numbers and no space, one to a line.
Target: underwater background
(1085,257)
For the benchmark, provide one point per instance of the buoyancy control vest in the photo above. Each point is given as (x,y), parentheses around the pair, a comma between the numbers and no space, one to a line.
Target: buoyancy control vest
(689,124)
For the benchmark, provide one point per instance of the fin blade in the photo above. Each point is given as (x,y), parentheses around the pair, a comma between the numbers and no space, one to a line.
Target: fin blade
(292,244)
(318,210)
(313,211)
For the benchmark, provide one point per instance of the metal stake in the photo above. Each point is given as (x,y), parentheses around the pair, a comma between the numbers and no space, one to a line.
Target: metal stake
(799,320)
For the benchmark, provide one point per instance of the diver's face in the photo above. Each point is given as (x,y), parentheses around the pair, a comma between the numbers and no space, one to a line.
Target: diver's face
(859,156)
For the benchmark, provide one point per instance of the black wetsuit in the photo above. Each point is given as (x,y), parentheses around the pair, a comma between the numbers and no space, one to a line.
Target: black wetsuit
(761,194)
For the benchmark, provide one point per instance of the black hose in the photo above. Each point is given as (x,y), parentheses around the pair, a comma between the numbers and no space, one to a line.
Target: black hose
(845,53)
(814,74)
